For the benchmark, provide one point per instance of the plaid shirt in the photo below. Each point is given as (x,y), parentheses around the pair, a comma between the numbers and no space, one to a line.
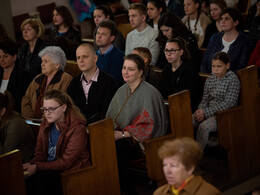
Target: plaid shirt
(220,94)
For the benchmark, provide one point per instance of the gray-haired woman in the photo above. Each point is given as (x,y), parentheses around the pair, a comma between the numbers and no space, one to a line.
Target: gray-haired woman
(52,77)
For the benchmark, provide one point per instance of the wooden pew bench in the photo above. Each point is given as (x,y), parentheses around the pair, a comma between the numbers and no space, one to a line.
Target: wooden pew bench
(179,128)
(102,176)
(11,174)
(238,130)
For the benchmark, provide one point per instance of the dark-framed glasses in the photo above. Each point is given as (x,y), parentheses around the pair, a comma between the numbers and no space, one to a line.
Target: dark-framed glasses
(50,109)
(170,51)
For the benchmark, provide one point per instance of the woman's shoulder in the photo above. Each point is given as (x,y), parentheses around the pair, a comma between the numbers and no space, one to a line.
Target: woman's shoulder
(163,190)
(65,77)
(205,187)
(16,120)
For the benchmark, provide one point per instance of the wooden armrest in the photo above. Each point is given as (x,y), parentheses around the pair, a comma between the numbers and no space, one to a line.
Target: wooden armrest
(228,120)
(153,163)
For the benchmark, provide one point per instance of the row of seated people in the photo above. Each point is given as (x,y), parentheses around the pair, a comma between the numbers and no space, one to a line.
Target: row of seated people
(168,52)
(168,26)
(136,116)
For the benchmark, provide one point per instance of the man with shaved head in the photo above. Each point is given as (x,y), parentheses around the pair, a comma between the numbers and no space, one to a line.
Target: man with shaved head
(93,89)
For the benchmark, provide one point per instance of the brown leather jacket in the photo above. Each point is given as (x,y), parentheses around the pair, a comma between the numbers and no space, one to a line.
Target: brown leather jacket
(72,150)
(60,81)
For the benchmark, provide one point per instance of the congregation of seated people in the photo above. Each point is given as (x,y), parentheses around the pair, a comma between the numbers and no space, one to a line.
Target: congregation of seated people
(126,78)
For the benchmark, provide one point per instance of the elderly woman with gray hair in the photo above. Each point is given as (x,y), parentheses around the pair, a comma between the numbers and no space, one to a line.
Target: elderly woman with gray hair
(52,77)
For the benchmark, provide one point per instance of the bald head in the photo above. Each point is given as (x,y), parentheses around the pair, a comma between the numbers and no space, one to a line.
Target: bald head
(89,47)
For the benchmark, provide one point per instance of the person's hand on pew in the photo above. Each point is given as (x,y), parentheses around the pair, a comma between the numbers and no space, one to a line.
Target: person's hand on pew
(29,169)
(121,134)
(199,115)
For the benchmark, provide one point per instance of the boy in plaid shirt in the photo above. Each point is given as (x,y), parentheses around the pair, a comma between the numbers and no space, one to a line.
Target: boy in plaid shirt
(221,92)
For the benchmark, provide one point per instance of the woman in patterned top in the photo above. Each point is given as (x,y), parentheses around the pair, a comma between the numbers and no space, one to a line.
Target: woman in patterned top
(221,92)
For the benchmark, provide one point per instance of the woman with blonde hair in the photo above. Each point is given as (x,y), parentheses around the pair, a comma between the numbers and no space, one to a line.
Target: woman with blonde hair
(32,30)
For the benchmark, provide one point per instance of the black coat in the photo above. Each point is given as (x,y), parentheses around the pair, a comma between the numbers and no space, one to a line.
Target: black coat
(17,85)
(35,62)
(99,97)
(185,77)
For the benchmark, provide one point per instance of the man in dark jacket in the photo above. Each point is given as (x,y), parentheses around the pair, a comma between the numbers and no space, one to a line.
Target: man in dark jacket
(92,90)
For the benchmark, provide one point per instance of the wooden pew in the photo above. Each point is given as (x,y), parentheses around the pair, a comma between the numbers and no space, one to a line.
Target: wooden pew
(11,174)
(180,127)
(102,176)
(72,68)
(238,128)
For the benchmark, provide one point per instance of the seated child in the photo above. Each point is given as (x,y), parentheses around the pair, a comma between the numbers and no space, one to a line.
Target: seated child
(221,92)
(150,75)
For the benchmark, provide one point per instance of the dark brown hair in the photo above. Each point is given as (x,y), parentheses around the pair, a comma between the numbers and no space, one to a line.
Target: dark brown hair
(6,101)
(65,14)
(138,60)
(182,45)
(222,56)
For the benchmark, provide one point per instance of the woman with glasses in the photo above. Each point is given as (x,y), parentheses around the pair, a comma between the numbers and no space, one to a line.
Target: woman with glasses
(61,145)
(179,74)
(52,77)
(171,26)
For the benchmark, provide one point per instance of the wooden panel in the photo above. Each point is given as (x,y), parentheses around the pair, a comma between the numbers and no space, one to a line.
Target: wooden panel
(153,162)
(102,176)
(72,68)
(231,134)
(238,128)
(121,18)
(250,100)
(11,174)
(125,28)
(180,114)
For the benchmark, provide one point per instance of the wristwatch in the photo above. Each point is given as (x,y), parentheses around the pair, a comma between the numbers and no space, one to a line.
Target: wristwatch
(123,134)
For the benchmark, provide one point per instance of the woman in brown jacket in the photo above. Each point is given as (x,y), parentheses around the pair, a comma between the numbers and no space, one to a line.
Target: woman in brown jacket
(61,144)
(181,158)
(52,77)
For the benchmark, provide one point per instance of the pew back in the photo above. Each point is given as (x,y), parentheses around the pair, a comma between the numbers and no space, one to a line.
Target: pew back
(181,126)
(72,68)
(238,128)
(102,176)
(12,177)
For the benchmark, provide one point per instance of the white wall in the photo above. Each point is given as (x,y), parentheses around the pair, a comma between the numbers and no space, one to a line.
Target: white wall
(26,6)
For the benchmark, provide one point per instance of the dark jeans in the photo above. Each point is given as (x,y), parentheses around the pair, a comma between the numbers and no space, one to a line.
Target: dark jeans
(44,183)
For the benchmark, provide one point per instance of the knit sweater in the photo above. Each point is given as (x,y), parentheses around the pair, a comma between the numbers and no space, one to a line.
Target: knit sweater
(112,63)
(239,52)
(146,38)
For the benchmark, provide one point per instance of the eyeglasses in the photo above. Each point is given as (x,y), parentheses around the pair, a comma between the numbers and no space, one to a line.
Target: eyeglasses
(171,51)
(50,110)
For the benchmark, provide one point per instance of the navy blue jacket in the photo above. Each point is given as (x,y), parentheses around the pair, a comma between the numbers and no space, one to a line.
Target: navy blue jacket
(239,52)
(17,85)
(35,62)
(112,63)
